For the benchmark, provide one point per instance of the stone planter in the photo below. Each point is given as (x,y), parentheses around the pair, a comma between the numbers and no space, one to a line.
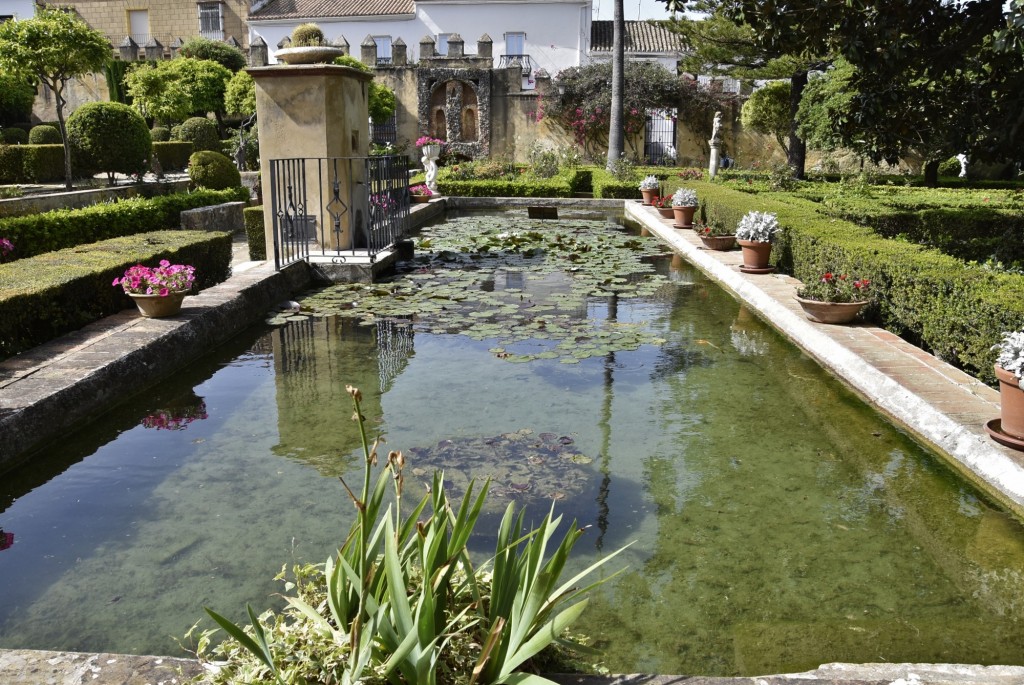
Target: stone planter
(830,312)
(311,54)
(683,216)
(158,306)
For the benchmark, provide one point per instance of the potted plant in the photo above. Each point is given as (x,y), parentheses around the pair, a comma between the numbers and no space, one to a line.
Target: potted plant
(754,233)
(1008,429)
(684,204)
(649,188)
(713,232)
(429,147)
(158,291)
(664,205)
(308,46)
(420,193)
(834,298)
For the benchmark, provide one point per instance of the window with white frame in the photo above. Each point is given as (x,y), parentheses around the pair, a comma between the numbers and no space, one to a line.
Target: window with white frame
(211,20)
(383,49)
(515,43)
(441,46)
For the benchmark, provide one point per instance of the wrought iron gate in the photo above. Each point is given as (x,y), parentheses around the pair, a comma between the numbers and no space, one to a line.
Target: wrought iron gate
(337,207)
(660,137)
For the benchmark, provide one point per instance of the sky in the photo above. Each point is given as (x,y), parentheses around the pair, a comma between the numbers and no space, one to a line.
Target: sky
(632,9)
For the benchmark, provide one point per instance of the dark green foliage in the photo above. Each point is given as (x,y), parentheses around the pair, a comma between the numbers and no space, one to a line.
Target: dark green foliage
(14,136)
(229,57)
(199,131)
(213,170)
(955,310)
(109,137)
(12,163)
(160,134)
(173,155)
(350,61)
(114,71)
(506,186)
(44,134)
(43,163)
(16,97)
(35,234)
(253,217)
(48,295)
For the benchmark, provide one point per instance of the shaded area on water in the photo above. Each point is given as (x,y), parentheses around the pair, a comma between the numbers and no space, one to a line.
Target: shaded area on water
(778,522)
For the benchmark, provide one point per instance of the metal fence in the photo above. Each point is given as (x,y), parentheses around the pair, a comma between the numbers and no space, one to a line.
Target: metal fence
(385,133)
(341,208)
(660,137)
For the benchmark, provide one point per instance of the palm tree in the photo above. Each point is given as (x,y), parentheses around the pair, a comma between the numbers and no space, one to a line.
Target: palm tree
(616,142)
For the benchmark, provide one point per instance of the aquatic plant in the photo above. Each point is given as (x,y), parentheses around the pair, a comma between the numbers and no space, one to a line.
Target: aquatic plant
(402,601)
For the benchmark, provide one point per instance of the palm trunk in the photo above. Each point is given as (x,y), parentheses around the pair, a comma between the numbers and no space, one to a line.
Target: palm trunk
(615,126)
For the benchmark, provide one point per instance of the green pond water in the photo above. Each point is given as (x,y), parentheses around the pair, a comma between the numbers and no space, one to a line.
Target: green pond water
(777,522)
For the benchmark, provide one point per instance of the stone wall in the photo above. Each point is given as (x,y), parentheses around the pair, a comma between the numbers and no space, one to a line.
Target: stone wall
(225,217)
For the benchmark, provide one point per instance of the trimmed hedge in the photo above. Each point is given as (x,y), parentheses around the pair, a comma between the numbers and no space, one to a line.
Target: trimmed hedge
(557,186)
(12,163)
(51,294)
(254,232)
(955,310)
(606,186)
(35,234)
(173,155)
(43,163)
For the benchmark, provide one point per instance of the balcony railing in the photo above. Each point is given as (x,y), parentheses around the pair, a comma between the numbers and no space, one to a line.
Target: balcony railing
(213,35)
(522,61)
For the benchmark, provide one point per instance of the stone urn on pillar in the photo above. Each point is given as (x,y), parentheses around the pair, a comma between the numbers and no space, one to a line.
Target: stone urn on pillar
(430,148)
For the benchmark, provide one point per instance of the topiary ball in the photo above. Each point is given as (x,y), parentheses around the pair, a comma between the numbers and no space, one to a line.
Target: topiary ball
(160,134)
(306,35)
(13,136)
(201,132)
(110,137)
(213,170)
(44,134)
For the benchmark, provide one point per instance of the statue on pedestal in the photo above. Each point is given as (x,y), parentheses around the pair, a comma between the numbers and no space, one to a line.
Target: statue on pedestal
(716,126)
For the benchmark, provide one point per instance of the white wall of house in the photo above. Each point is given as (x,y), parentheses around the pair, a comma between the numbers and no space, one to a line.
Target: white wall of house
(19,9)
(667,61)
(557,33)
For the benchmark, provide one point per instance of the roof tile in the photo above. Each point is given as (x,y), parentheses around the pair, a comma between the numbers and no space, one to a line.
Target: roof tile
(302,9)
(641,36)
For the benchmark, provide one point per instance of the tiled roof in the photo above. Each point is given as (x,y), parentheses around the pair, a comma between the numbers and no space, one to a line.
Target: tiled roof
(641,36)
(317,9)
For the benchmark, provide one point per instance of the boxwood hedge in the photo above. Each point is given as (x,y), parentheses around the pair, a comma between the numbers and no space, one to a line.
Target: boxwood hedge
(50,294)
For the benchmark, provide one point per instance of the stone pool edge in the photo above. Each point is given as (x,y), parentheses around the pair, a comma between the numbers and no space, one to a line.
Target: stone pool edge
(965,447)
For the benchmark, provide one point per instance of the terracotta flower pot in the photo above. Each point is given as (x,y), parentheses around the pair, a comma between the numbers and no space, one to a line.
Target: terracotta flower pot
(718,242)
(755,254)
(830,312)
(157,306)
(648,195)
(683,216)
(1011,399)
(420,198)
(666,212)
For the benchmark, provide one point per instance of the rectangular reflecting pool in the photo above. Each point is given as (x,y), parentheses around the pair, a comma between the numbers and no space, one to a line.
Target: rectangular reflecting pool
(777,522)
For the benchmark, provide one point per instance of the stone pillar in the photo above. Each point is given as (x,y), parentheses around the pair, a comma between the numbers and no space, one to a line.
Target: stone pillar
(485,47)
(285,42)
(427,45)
(154,50)
(128,49)
(399,53)
(368,51)
(313,111)
(176,45)
(342,43)
(258,54)
(456,46)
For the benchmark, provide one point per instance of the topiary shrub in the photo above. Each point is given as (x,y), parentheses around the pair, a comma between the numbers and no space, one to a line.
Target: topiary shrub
(160,134)
(950,167)
(307,34)
(173,154)
(110,137)
(44,134)
(254,232)
(13,136)
(199,131)
(228,56)
(213,170)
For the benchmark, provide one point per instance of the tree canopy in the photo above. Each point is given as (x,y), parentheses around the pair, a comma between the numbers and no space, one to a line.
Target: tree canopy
(54,47)
(766,111)
(228,56)
(172,90)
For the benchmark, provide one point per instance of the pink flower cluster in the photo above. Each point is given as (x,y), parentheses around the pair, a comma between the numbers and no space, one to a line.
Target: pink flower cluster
(6,247)
(427,140)
(175,419)
(421,189)
(162,280)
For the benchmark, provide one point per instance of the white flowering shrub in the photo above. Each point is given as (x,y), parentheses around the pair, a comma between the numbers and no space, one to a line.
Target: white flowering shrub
(758,227)
(1011,354)
(650,183)
(684,197)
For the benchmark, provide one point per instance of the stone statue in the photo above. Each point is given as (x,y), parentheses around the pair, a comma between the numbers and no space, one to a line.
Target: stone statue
(429,159)
(716,126)
(962,158)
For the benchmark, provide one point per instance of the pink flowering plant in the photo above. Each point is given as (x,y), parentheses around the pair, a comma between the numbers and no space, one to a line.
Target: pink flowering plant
(161,280)
(837,288)
(6,248)
(421,189)
(427,140)
(175,419)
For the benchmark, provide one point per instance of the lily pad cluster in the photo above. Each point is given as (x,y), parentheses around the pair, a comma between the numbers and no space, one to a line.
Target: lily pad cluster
(526,284)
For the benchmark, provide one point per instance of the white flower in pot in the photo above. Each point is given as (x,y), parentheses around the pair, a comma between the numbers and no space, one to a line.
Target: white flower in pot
(684,197)
(1011,354)
(1009,372)
(757,227)
(650,183)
